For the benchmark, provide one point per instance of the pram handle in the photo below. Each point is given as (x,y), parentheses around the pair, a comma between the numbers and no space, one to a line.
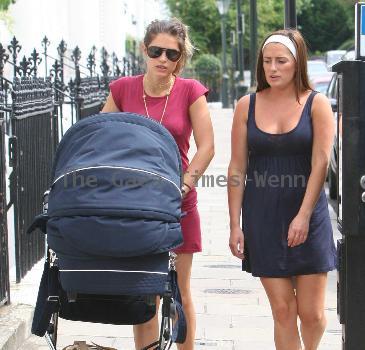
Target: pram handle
(40,222)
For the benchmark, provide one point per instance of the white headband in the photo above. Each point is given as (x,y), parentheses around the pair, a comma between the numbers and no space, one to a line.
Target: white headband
(282,39)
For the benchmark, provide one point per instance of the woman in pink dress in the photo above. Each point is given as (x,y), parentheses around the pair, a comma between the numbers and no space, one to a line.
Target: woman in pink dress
(181,106)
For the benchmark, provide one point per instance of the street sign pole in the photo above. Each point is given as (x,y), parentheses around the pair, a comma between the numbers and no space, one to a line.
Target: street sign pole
(360,30)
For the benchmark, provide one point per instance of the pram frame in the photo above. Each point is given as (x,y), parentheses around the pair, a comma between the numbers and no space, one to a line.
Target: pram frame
(168,310)
(171,301)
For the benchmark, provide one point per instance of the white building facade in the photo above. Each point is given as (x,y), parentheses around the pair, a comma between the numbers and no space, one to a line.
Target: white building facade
(85,23)
(80,22)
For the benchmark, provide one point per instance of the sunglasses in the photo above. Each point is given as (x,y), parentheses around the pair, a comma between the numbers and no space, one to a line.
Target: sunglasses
(171,54)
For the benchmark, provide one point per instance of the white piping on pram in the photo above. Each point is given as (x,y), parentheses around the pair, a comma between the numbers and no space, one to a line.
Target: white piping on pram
(126,271)
(118,167)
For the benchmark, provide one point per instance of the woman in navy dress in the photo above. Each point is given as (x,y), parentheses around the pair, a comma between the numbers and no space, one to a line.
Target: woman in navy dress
(281,142)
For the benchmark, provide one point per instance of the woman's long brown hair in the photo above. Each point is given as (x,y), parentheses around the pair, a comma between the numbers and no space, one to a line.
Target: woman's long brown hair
(301,75)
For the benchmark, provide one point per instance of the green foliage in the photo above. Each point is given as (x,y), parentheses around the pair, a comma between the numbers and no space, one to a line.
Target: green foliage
(208,68)
(4,4)
(348,44)
(271,15)
(131,44)
(203,19)
(205,23)
(6,19)
(326,24)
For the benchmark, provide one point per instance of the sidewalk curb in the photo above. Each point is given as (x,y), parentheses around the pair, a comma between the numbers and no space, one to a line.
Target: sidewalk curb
(15,325)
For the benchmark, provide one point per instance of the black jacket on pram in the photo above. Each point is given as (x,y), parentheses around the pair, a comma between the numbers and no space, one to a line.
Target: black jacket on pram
(114,205)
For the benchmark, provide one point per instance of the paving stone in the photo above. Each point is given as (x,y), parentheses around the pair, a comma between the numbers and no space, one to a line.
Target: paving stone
(15,321)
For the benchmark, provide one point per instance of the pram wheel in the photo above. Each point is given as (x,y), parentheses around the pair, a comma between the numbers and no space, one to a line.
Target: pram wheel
(167,334)
(52,329)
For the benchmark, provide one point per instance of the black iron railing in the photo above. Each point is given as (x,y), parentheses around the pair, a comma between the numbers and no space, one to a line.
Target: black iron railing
(31,157)
(35,110)
(4,258)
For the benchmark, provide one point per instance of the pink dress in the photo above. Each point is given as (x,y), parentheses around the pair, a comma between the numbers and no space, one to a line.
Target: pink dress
(127,94)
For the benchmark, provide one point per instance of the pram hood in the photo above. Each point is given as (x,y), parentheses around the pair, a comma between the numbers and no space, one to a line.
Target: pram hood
(119,162)
(114,206)
(116,177)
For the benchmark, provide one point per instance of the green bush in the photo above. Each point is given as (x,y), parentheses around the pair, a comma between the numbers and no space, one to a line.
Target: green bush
(131,44)
(4,4)
(208,70)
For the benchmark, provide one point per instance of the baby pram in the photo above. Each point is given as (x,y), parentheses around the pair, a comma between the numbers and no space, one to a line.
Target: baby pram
(111,216)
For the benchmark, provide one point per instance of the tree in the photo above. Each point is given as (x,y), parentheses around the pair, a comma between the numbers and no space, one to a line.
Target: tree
(203,19)
(208,71)
(270,15)
(205,25)
(4,4)
(326,24)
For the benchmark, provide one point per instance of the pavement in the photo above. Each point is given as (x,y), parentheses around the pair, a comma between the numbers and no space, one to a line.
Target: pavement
(232,310)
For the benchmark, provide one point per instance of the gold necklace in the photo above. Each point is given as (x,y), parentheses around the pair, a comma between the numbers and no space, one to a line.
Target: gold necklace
(167,99)
(159,84)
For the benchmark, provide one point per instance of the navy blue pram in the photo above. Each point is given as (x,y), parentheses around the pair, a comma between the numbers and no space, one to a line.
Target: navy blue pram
(111,216)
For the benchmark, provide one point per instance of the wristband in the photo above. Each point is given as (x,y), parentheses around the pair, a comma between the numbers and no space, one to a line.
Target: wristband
(189,187)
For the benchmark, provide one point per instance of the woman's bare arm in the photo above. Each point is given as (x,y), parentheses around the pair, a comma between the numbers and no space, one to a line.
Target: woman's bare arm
(237,174)
(204,140)
(323,133)
(110,105)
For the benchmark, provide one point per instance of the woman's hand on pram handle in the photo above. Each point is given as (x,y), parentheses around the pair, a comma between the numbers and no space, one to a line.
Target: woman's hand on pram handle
(185,189)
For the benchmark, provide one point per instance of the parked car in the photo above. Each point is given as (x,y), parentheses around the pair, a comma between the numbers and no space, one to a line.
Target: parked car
(349,55)
(332,93)
(319,75)
(321,82)
(316,68)
(332,169)
(333,56)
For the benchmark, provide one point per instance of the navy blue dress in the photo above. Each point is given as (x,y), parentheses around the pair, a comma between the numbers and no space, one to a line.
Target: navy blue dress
(279,166)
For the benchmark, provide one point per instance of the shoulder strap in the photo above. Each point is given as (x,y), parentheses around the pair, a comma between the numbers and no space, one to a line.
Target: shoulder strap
(310,102)
(251,108)
(311,96)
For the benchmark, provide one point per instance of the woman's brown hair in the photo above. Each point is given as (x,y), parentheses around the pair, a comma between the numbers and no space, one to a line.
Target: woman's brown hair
(301,75)
(177,29)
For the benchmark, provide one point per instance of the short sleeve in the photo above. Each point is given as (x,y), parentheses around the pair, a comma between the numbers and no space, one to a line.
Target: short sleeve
(116,88)
(197,89)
